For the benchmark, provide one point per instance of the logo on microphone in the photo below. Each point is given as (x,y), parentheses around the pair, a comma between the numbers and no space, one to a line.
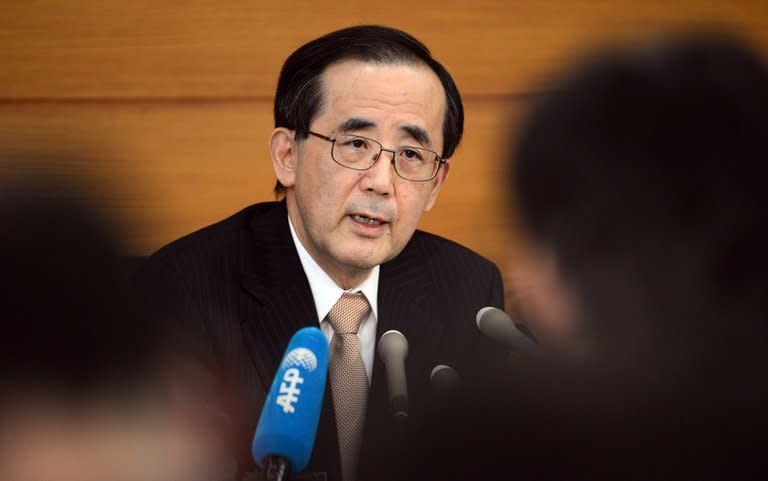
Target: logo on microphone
(301,357)
(289,387)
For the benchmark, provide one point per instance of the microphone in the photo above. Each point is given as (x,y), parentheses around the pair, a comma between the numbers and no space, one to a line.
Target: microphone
(287,427)
(393,349)
(444,378)
(497,325)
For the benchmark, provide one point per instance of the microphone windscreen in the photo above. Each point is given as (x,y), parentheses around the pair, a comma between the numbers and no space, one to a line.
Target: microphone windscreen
(444,378)
(393,350)
(289,418)
(393,345)
(496,324)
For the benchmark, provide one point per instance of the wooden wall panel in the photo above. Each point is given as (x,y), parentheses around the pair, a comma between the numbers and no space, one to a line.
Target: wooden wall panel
(234,48)
(167,169)
(167,104)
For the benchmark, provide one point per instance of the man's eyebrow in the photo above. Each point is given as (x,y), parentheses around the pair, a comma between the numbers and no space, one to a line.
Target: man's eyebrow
(355,123)
(419,134)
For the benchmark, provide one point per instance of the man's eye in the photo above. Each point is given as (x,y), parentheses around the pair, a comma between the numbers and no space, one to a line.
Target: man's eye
(412,155)
(356,144)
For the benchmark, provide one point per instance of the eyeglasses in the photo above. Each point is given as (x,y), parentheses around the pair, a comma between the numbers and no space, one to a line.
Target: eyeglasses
(360,153)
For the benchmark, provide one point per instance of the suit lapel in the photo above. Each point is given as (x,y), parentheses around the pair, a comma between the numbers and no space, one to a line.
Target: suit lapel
(405,304)
(278,302)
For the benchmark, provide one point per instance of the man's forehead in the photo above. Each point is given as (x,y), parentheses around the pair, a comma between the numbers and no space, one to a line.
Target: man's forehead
(357,93)
(347,75)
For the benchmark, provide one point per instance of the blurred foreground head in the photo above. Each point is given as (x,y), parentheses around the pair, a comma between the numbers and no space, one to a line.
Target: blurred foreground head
(641,184)
(84,385)
(71,328)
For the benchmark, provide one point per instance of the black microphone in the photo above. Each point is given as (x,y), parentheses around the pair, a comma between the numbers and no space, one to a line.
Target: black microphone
(393,349)
(497,325)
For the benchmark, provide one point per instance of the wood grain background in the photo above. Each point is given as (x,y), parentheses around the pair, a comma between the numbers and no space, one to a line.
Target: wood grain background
(170,101)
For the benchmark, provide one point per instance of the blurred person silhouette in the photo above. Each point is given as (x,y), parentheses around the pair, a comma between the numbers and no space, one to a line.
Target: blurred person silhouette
(639,180)
(86,391)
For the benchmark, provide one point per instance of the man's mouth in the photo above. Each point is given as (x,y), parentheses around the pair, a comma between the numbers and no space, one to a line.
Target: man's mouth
(363,219)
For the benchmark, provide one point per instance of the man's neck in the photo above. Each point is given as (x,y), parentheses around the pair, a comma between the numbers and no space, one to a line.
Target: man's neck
(346,277)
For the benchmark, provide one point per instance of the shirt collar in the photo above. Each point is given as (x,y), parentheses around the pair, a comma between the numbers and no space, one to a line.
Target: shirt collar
(324,290)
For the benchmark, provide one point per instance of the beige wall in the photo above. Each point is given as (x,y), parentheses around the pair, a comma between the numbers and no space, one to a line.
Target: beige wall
(172,100)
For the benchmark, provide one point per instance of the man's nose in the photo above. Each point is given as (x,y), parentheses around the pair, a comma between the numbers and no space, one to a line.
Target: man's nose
(379,178)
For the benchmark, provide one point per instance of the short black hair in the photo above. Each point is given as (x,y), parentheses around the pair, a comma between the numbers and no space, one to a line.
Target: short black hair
(643,171)
(299,93)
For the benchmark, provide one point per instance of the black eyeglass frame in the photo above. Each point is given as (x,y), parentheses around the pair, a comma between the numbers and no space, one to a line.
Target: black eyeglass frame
(440,160)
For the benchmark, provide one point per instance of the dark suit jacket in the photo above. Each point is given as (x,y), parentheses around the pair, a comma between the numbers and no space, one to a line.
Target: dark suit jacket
(236,292)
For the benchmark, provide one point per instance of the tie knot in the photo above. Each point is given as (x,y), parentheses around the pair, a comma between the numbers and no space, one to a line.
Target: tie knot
(348,312)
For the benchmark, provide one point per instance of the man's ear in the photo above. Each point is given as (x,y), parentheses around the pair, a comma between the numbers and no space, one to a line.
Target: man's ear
(436,183)
(282,148)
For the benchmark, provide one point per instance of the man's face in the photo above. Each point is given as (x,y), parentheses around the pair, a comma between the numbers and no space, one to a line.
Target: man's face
(397,105)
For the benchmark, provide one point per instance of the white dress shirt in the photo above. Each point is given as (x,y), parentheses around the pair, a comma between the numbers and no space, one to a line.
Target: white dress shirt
(326,292)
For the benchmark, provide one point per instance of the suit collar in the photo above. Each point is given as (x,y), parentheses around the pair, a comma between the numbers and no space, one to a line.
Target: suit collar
(271,258)
(280,301)
(325,291)
(406,289)
(277,303)
(406,297)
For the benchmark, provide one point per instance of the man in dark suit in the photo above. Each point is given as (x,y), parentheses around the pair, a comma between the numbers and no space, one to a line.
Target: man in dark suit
(365,121)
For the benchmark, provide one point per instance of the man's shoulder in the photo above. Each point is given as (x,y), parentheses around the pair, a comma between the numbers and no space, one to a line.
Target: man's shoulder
(223,236)
(447,256)
(441,248)
(221,250)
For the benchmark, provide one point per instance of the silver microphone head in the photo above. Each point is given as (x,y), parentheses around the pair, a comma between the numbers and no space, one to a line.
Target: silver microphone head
(392,345)
(444,378)
(497,325)
(393,349)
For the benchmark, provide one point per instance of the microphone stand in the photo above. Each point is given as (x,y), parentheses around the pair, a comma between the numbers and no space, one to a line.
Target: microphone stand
(276,468)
